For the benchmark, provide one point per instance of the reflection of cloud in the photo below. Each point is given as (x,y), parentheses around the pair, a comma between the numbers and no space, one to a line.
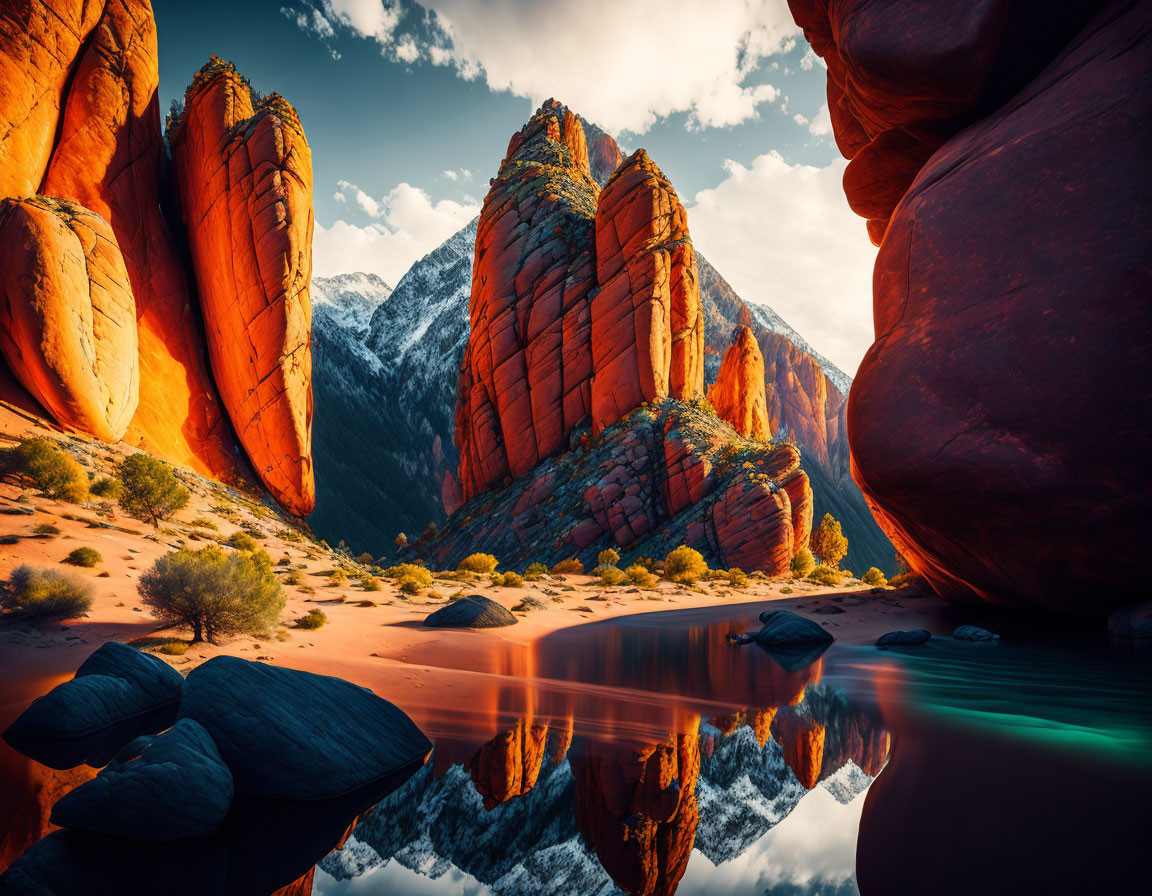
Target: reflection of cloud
(811,851)
(395,878)
(657,58)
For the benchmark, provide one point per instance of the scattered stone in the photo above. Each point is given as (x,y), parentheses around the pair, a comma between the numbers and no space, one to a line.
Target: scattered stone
(166,787)
(903,639)
(473,611)
(974,633)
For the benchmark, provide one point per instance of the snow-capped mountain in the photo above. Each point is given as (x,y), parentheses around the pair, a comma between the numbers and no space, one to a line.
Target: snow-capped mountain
(347,301)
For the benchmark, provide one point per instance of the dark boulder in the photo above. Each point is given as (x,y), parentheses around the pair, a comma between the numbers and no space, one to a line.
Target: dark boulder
(117,694)
(1133,622)
(791,640)
(473,611)
(974,633)
(903,639)
(293,735)
(167,787)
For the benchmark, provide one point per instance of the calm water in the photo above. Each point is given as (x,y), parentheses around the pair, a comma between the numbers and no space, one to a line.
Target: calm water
(647,756)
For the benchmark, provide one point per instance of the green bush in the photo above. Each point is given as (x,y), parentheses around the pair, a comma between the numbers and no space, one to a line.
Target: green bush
(824,575)
(242,541)
(535,571)
(571,566)
(608,558)
(507,580)
(47,592)
(202,522)
(45,530)
(528,603)
(293,578)
(84,557)
(685,565)
(312,620)
(480,563)
(150,490)
(640,576)
(106,487)
(409,586)
(802,563)
(48,468)
(611,575)
(214,592)
(369,584)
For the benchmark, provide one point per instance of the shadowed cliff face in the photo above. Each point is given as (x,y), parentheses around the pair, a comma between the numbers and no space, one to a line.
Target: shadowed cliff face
(998,424)
(79,123)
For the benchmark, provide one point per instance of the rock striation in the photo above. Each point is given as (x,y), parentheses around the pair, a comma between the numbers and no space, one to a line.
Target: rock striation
(509,764)
(67,316)
(243,173)
(738,393)
(79,123)
(1002,167)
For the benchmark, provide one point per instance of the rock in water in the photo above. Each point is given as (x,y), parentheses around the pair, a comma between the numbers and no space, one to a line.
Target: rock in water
(904,639)
(1133,622)
(1003,167)
(167,787)
(69,319)
(738,394)
(292,735)
(244,175)
(974,633)
(117,694)
(785,627)
(473,611)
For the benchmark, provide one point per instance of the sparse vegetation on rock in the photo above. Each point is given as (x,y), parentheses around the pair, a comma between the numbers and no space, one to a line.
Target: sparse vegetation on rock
(42,463)
(242,541)
(106,487)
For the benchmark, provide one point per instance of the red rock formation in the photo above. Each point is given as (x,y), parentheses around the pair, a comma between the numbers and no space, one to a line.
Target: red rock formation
(738,393)
(636,806)
(67,318)
(802,740)
(603,153)
(999,422)
(100,145)
(647,330)
(509,764)
(524,381)
(243,171)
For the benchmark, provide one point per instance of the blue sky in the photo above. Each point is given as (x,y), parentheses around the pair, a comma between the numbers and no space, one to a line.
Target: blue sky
(409,106)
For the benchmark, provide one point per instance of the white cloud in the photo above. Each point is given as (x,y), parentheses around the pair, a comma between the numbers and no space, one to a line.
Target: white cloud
(622,65)
(810,59)
(821,125)
(456,174)
(407,226)
(800,120)
(783,236)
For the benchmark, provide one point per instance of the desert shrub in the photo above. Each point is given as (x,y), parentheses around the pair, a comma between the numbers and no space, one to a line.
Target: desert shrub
(337,576)
(369,584)
(903,580)
(83,557)
(650,563)
(150,489)
(365,603)
(293,577)
(47,592)
(42,462)
(571,566)
(786,590)
(289,535)
(312,620)
(874,577)
(847,574)
(802,563)
(828,542)
(202,522)
(214,592)
(9,539)
(640,576)
(508,580)
(737,578)
(401,541)
(366,558)
(481,563)
(535,571)
(528,603)
(824,575)
(242,541)
(684,565)
(106,487)
(411,577)
(611,575)
(409,586)
(46,530)
(608,558)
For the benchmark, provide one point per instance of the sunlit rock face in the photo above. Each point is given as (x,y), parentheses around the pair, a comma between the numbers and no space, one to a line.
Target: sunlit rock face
(67,317)
(243,171)
(998,424)
(509,764)
(738,393)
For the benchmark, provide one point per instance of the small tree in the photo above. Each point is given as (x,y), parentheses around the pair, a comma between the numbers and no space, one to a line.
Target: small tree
(401,541)
(828,542)
(214,592)
(608,557)
(149,489)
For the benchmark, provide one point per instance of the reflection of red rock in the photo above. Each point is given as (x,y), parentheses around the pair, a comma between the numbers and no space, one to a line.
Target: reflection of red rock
(647,332)
(244,173)
(636,806)
(802,739)
(738,393)
(69,321)
(1011,289)
(509,764)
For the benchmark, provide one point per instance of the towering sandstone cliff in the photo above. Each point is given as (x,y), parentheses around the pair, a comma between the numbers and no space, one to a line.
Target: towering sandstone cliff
(80,130)
(578,421)
(738,393)
(999,424)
